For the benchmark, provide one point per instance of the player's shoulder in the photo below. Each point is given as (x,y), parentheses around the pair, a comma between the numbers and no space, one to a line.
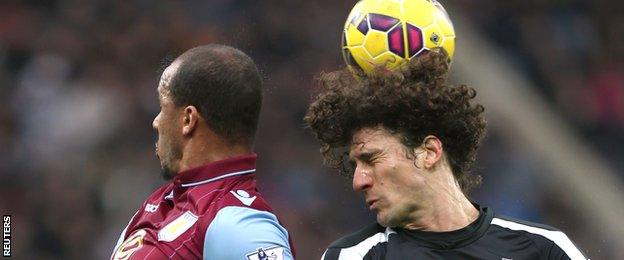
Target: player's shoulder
(248,198)
(369,235)
(506,221)
(548,238)
(244,231)
(233,208)
(540,234)
(233,191)
(358,236)
(208,199)
(236,217)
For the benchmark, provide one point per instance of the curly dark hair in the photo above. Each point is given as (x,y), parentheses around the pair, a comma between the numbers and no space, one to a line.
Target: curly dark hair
(412,102)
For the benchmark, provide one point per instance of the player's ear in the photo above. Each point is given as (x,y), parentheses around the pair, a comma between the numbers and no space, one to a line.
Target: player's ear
(433,151)
(191,120)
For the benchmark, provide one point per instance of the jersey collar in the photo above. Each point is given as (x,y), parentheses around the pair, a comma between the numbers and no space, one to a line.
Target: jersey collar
(235,166)
(452,239)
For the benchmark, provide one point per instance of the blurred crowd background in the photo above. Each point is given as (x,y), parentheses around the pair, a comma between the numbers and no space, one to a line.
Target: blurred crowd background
(78,95)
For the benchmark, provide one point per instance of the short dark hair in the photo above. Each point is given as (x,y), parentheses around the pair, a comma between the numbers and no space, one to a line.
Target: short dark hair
(412,102)
(225,86)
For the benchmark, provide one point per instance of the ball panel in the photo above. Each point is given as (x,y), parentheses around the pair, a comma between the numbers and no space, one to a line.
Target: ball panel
(356,14)
(444,20)
(432,37)
(395,41)
(363,26)
(382,22)
(385,7)
(389,60)
(353,37)
(419,13)
(355,18)
(362,58)
(376,43)
(348,58)
(444,23)
(414,40)
(449,46)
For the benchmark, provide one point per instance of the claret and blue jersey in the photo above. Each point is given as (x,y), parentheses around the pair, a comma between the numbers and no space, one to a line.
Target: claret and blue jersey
(210,212)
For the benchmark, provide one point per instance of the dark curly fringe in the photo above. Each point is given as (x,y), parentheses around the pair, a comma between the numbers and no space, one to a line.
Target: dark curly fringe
(412,102)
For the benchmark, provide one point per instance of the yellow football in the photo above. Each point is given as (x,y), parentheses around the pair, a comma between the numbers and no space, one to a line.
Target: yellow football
(390,32)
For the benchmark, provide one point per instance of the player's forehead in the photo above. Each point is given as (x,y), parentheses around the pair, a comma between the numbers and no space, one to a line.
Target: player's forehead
(369,139)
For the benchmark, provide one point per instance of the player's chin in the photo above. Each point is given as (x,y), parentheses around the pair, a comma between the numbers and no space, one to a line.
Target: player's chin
(386,218)
(166,172)
(382,219)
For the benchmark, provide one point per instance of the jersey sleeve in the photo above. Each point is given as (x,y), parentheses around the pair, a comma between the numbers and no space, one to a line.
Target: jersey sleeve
(565,251)
(246,233)
(331,254)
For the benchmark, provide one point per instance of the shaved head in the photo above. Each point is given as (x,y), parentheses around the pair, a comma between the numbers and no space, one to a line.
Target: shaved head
(224,84)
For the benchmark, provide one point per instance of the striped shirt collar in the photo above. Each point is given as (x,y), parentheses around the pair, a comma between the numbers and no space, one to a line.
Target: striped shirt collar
(235,166)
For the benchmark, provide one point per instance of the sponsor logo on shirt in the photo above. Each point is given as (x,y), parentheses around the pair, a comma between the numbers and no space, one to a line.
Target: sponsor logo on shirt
(177,227)
(270,253)
(151,208)
(131,245)
(244,197)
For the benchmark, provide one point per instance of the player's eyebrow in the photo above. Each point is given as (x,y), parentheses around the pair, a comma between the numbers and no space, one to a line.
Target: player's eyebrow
(365,155)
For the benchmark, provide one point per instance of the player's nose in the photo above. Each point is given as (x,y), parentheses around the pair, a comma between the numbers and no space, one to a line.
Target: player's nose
(155,122)
(362,179)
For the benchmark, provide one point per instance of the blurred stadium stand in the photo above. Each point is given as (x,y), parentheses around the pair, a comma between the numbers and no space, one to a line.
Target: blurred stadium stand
(78,95)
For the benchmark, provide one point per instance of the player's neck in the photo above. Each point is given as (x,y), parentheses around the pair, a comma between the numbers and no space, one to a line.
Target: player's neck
(203,150)
(447,217)
(447,208)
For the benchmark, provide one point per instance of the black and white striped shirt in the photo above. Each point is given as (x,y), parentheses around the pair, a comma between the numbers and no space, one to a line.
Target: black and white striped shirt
(489,237)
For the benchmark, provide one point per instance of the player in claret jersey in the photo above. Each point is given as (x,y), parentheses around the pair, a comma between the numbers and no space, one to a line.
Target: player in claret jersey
(210,99)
